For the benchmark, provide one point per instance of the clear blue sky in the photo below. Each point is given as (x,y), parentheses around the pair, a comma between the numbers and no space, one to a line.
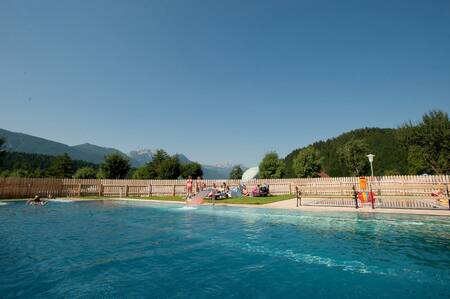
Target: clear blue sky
(219,80)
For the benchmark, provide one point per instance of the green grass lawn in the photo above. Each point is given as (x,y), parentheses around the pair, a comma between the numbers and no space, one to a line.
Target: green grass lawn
(236,200)
(168,198)
(253,200)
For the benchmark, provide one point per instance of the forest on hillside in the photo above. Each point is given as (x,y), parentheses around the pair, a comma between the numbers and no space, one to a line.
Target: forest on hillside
(415,148)
(114,166)
(16,164)
(384,143)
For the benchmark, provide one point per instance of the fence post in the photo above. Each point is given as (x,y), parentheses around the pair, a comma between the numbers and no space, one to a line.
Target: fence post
(173,190)
(2,183)
(290,188)
(79,189)
(126,190)
(448,197)
(100,190)
(28,190)
(403,186)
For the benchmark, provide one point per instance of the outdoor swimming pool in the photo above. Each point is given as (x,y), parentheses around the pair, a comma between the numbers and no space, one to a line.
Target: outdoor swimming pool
(134,249)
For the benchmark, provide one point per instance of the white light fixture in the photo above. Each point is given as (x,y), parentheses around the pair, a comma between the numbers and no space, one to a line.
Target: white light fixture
(371,156)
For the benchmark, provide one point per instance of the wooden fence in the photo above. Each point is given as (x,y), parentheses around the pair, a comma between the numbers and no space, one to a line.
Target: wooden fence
(326,191)
(28,187)
(414,192)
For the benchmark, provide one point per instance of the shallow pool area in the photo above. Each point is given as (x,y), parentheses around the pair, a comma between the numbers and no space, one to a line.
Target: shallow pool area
(143,249)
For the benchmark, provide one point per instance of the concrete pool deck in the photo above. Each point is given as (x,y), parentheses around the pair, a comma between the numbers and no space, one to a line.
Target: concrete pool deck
(292,205)
(289,204)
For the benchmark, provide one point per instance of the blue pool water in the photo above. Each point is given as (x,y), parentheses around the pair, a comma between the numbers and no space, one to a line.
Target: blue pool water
(128,249)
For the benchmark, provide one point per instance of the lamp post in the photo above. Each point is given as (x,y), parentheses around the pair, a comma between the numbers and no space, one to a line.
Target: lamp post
(370,156)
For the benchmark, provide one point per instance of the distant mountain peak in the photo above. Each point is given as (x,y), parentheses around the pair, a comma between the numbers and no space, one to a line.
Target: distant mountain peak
(144,150)
(141,157)
(224,164)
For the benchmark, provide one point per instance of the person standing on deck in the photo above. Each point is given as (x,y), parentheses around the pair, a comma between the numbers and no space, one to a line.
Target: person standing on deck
(189,183)
(198,184)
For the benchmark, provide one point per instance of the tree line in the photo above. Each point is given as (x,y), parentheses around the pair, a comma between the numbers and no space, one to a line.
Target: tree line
(414,148)
(17,164)
(114,166)
(164,166)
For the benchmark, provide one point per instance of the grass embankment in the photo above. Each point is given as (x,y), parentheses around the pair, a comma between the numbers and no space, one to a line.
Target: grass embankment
(235,200)
(168,198)
(253,200)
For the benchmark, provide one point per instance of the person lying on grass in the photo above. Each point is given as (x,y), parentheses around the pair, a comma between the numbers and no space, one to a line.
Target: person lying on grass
(244,191)
(255,191)
(259,190)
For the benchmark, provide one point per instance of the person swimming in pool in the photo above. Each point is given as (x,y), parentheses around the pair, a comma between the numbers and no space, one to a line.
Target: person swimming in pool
(36,201)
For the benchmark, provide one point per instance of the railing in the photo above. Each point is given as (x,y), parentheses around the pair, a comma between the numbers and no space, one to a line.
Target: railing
(391,203)
(407,195)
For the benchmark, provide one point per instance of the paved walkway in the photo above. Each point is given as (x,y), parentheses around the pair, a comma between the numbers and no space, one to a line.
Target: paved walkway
(292,204)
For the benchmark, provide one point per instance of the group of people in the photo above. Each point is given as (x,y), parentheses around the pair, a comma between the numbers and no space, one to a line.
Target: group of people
(261,190)
(221,192)
(224,191)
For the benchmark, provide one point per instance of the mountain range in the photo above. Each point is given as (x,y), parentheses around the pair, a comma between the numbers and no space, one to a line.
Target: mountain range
(20,142)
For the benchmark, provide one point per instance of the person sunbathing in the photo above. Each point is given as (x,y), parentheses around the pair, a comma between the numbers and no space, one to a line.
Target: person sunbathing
(255,191)
(244,191)
(264,190)
(221,191)
(226,191)
(213,192)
